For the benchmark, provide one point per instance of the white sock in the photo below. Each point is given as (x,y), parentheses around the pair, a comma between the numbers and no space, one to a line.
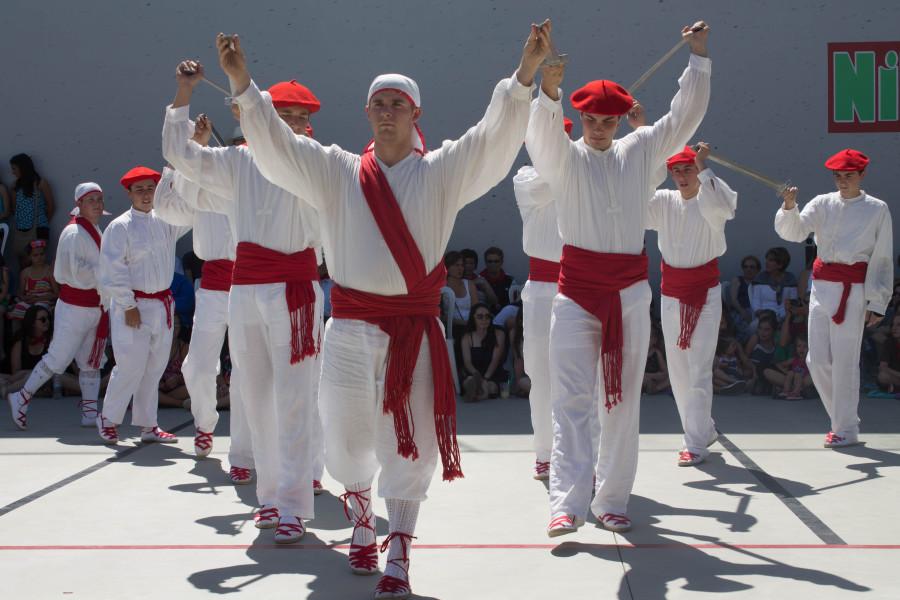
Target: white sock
(89,382)
(40,375)
(361,511)
(402,517)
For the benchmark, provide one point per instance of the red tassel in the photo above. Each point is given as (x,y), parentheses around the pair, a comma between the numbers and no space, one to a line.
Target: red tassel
(612,376)
(444,404)
(301,301)
(100,337)
(690,315)
(403,352)
(838,317)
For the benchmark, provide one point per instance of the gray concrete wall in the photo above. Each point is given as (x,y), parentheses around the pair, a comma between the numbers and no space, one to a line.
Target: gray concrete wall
(86,83)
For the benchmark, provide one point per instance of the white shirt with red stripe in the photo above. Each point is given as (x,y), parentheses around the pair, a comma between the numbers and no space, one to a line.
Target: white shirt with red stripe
(430,189)
(175,199)
(692,231)
(540,230)
(77,258)
(602,196)
(847,232)
(260,212)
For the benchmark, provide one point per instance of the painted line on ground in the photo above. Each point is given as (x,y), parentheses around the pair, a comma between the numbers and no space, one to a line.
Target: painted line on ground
(564,545)
(806,516)
(25,500)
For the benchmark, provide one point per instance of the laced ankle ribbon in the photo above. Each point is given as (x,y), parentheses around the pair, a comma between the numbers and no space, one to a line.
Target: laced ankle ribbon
(239,473)
(388,583)
(288,529)
(266,514)
(203,440)
(21,417)
(562,521)
(687,456)
(615,519)
(541,467)
(361,557)
(88,408)
(159,433)
(108,431)
(833,438)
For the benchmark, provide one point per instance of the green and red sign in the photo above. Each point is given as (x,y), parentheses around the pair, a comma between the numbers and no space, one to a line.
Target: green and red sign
(864,93)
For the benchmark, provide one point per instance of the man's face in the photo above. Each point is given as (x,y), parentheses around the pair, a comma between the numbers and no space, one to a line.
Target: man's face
(141,194)
(392,116)
(493,263)
(470,265)
(848,182)
(686,178)
(91,207)
(772,264)
(599,130)
(296,117)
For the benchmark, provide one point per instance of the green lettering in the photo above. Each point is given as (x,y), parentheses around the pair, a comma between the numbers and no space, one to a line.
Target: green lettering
(854,87)
(887,88)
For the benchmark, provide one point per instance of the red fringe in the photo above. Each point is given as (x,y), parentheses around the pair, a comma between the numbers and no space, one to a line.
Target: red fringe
(301,301)
(612,376)
(100,337)
(690,315)
(403,352)
(444,403)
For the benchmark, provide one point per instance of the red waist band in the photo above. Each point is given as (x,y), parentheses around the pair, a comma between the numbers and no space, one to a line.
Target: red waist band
(690,286)
(593,280)
(79,297)
(543,270)
(89,299)
(164,296)
(839,273)
(216,275)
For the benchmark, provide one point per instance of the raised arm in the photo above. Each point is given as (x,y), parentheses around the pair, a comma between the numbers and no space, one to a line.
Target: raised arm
(548,145)
(716,200)
(115,280)
(168,201)
(791,224)
(879,284)
(672,131)
(298,164)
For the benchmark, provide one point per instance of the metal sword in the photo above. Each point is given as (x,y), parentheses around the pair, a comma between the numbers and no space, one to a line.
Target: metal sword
(649,73)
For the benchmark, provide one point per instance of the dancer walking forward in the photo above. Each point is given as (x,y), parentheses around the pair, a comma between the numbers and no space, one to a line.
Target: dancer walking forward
(82,325)
(691,224)
(275,305)
(387,396)
(853,280)
(601,316)
(137,261)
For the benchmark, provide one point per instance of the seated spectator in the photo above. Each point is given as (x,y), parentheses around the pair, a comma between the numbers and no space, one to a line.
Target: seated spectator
(764,351)
(36,282)
(773,286)
(521,380)
(326,283)
(464,293)
(31,345)
(185,301)
(470,266)
(506,317)
(483,349)
(791,375)
(497,278)
(889,360)
(656,373)
(738,301)
(732,370)
(32,205)
(172,390)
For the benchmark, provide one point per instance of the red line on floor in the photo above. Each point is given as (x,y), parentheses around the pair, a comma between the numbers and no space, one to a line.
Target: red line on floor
(563,545)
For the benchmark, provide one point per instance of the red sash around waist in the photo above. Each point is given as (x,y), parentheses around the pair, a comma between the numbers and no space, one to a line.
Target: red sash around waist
(255,264)
(543,270)
(690,286)
(216,275)
(164,296)
(838,273)
(89,299)
(593,280)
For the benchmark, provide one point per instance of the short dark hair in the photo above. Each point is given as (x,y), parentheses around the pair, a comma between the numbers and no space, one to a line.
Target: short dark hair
(754,259)
(451,257)
(493,250)
(469,253)
(781,256)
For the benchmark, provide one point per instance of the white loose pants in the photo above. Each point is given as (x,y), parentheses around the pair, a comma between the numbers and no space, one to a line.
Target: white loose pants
(279,398)
(575,336)
(834,350)
(200,368)
(537,306)
(141,357)
(360,437)
(74,329)
(690,370)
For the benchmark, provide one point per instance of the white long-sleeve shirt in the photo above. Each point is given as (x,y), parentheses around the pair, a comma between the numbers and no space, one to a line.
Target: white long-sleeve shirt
(430,189)
(692,231)
(174,203)
(77,258)
(847,232)
(540,230)
(602,195)
(137,253)
(259,211)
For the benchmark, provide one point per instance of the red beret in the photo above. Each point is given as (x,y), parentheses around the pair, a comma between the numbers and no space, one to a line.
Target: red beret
(685,157)
(847,160)
(137,174)
(602,97)
(567,125)
(291,93)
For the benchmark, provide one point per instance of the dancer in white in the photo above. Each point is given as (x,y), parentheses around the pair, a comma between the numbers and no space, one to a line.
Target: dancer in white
(853,280)
(275,306)
(214,244)
(691,225)
(387,396)
(137,256)
(82,325)
(601,316)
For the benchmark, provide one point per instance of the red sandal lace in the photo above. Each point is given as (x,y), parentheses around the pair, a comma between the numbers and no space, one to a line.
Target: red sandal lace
(290,530)
(239,474)
(108,432)
(388,584)
(615,519)
(362,558)
(562,521)
(203,440)
(687,456)
(264,514)
(541,467)
(88,408)
(21,417)
(833,438)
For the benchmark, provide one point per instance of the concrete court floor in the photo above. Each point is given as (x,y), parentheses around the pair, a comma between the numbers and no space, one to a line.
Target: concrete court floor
(771,514)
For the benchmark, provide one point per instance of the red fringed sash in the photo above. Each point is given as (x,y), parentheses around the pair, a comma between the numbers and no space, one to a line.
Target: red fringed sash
(593,280)
(689,286)
(216,275)
(846,274)
(255,264)
(164,296)
(405,319)
(89,299)
(539,269)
